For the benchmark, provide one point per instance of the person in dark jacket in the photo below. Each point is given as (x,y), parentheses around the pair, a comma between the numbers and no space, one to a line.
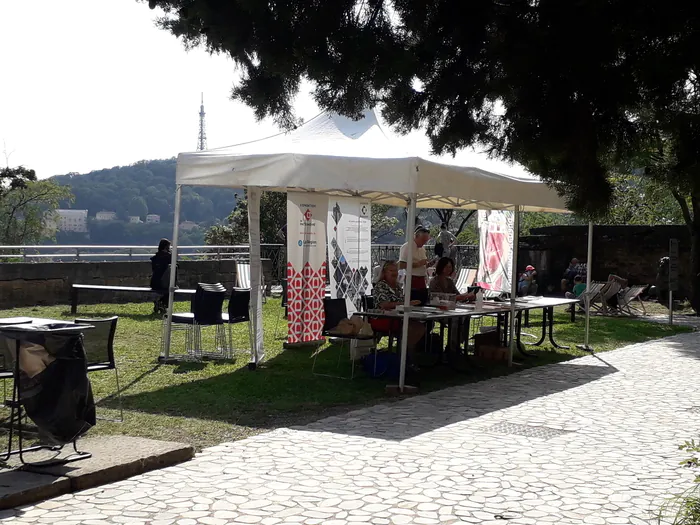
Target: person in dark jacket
(160,276)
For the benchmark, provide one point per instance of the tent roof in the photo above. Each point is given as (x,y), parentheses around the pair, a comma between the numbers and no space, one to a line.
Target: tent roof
(334,155)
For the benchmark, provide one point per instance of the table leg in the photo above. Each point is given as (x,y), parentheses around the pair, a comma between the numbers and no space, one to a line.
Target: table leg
(543,336)
(573,313)
(519,344)
(527,319)
(73,300)
(551,330)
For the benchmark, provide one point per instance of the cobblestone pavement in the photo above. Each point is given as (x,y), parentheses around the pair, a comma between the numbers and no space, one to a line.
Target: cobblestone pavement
(592,441)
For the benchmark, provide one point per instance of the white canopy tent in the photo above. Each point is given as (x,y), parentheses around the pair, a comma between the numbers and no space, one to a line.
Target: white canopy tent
(333,155)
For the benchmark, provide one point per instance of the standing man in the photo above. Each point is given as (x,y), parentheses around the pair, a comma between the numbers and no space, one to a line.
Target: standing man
(444,241)
(420,258)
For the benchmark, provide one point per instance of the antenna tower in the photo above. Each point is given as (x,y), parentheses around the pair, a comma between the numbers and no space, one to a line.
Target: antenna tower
(202,139)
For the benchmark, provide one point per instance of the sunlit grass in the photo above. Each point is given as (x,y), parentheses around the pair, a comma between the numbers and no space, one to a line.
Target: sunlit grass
(211,402)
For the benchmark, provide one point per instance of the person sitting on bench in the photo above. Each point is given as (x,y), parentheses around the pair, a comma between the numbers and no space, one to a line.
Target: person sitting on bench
(160,277)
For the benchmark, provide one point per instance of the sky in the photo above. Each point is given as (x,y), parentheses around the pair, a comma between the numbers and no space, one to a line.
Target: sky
(92,84)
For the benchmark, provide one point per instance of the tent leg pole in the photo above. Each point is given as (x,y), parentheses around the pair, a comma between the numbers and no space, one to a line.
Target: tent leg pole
(256,342)
(410,226)
(173,274)
(514,284)
(589,262)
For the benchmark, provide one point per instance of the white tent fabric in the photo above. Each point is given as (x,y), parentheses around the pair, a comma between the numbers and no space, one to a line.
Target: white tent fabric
(335,155)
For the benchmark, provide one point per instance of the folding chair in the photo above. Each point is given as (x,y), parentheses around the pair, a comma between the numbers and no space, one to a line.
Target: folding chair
(607,291)
(99,350)
(590,298)
(632,295)
(465,278)
(336,311)
(243,278)
(243,275)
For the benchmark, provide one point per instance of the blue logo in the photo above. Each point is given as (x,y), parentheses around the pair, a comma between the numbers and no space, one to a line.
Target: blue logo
(300,243)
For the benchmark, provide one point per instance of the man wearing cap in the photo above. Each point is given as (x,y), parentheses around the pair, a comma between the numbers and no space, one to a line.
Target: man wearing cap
(527,284)
(420,258)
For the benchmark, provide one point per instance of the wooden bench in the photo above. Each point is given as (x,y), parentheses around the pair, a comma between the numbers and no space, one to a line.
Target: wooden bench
(76,288)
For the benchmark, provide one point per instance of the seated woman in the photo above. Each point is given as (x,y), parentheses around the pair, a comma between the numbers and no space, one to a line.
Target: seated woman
(443,283)
(159,268)
(387,296)
(526,282)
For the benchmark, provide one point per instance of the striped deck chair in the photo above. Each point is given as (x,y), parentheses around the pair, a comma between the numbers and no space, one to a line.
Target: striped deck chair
(631,301)
(243,275)
(243,278)
(591,296)
(465,278)
(608,290)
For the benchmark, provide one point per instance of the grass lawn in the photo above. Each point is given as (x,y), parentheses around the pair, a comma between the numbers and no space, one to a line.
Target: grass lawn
(212,402)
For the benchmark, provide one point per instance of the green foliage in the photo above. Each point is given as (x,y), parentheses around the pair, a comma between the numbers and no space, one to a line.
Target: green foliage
(125,233)
(151,183)
(137,207)
(24,208)
(684,509)
(15,179)
(527,79)
(694,461)
(641,200)
(384,224)
(273,216)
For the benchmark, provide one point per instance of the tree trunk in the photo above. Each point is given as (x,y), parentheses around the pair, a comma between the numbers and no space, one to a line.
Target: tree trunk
(695,252)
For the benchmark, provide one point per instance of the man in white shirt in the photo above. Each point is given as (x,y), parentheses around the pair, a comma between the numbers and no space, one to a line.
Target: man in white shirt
(420,258)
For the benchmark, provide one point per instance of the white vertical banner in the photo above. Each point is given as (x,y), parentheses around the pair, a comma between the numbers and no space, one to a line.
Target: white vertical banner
(306,265)
(256,317)
(350,249)
(495,250)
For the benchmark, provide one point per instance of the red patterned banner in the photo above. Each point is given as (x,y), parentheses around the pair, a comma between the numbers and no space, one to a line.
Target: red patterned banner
(306,266)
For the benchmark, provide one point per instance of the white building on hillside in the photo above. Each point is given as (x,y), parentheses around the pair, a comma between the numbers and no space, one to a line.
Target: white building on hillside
(152,218)
(188,225)
(106,215)
(134,219)
(71,220)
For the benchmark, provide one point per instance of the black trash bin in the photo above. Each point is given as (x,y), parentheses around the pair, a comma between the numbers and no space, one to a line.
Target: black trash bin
(53,387)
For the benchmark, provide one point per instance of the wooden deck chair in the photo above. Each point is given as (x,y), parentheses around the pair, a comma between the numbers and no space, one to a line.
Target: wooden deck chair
(631,301)
(608,290)
(465,278)
(590,298)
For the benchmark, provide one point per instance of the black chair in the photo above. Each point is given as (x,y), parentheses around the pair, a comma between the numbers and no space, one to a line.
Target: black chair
(99,350)
(238,312)
(335,311)
(367,303)
(206,306)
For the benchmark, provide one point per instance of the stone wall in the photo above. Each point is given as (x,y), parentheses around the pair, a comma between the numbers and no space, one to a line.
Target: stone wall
(632,252)
(30,284)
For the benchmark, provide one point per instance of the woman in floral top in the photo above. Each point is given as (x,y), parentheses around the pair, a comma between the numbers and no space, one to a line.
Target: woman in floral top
(387,296)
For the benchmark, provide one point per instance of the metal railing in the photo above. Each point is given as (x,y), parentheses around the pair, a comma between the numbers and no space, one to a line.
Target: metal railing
(464,255)
(87,251)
